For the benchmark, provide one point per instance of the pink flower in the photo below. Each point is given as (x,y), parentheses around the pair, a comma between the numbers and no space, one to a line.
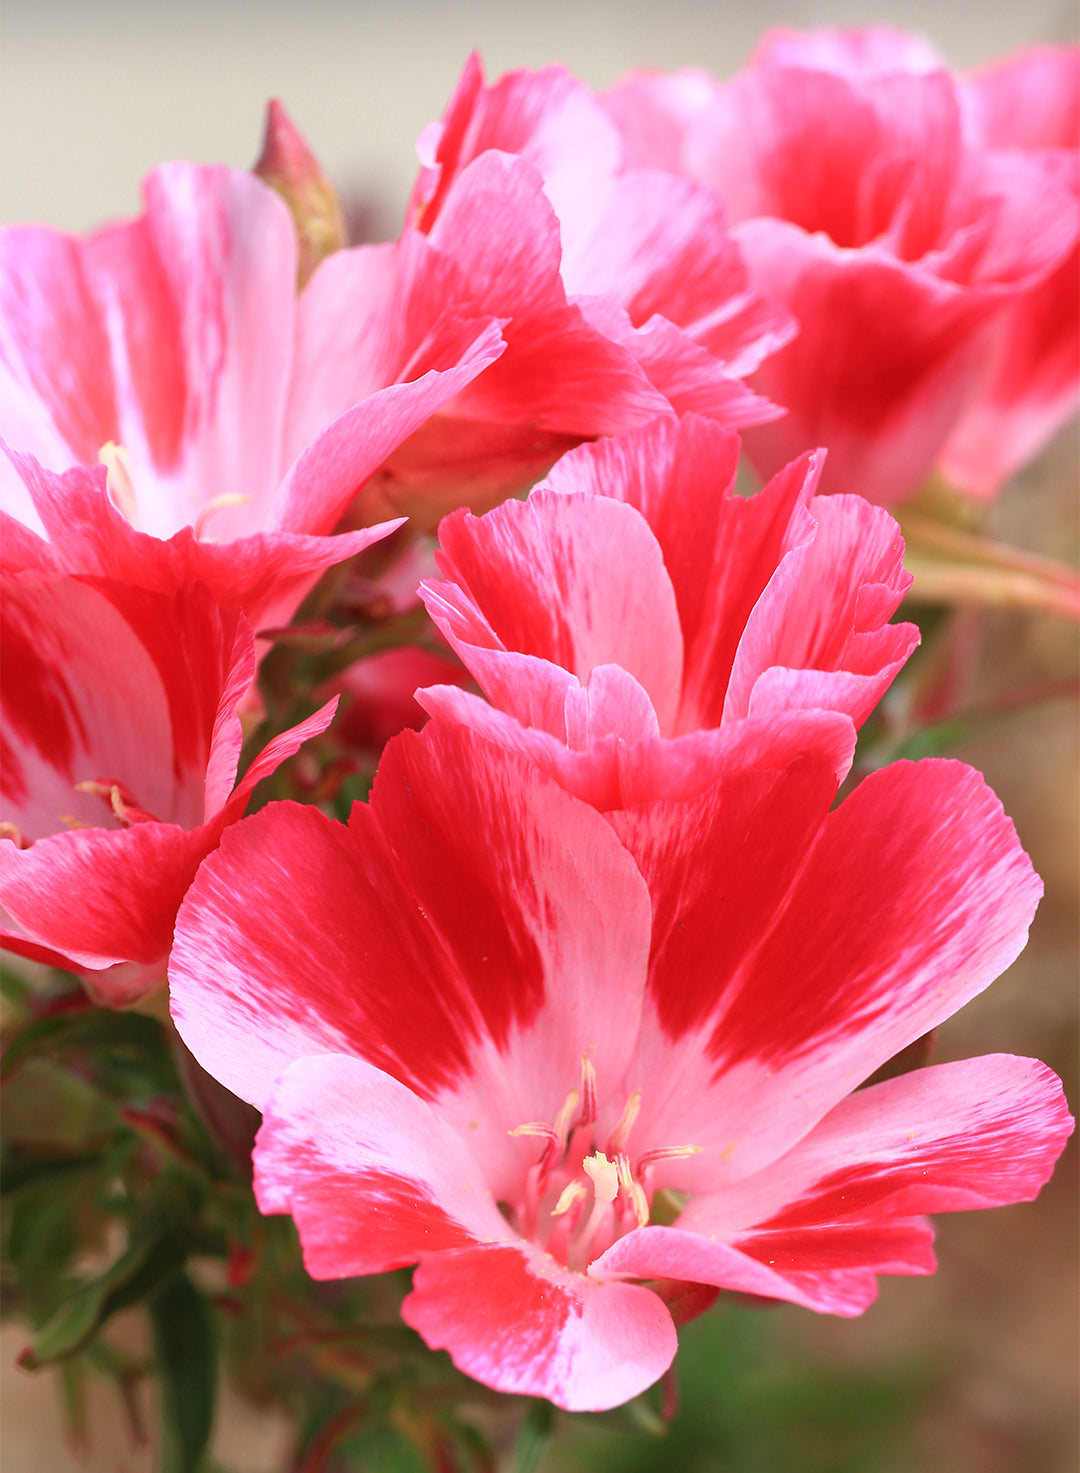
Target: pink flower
(475,1050)
(380,693)
(1031,377)
(121,743)
(636,622)
(658,245)
(164,346)
(893,236)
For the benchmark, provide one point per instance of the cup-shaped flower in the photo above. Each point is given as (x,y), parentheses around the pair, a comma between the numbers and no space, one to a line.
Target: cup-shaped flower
(477,1051)
(636,621)
(865,205)
(121,744)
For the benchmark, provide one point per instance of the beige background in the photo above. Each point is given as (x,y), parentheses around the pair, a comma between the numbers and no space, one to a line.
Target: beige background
(92,94)
(95,92)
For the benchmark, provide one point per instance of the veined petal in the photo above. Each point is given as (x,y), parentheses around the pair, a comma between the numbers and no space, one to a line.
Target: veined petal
(673,1253)
(877,921)
(505,910)
(513,1319)
(371,1174)
(826,609)
(974,1133)
(538,578)
(266,575)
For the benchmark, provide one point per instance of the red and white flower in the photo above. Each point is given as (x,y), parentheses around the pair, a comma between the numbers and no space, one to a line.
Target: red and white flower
(636,622)
(121,744)
(576,1080)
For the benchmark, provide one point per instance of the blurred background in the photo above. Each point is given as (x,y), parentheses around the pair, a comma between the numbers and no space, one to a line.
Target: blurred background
(972,1371)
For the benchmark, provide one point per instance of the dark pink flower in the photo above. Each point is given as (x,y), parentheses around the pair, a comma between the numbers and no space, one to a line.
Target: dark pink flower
(477,1051)
(380,693)
(120,751)
(866,207)
(636,621)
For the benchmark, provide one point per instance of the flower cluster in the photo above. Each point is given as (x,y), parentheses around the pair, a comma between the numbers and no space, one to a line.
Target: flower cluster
(588,1011)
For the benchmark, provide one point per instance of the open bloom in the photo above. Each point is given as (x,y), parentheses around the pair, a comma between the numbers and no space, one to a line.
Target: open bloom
(477,1051)
(864,203)
(121,743)
(635,621)
(164,347)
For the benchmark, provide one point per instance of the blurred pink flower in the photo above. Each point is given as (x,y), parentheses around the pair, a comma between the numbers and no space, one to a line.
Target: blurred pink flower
(575,1080)
(895,236)
(636,622)
(121,743)
(1030,382)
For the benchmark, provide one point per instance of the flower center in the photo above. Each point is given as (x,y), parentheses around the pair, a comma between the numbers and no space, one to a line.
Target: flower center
(554,1210)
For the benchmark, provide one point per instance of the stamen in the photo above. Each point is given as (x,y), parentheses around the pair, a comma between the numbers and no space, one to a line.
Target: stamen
(123,805)
(666,1153)
(640,1202)
(588,1092)
(633,1189)
(9,831)
(217,503)
(621,1134)
(563,1119)
(534,1127)
(573,1191)
(119,481)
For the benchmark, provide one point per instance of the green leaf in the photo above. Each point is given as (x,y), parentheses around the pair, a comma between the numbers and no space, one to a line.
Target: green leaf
(186,1350)
(130,1278)
(49,1107)
(534,1436)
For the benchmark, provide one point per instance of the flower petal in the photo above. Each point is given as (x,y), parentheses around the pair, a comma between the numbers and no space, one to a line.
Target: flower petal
(513,1319)
(471,912)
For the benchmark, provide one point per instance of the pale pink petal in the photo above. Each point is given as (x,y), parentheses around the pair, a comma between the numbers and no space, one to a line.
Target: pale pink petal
(1028,100)
(371,1174)
(515,1320)
(883,365)
(851,52)
(170,334)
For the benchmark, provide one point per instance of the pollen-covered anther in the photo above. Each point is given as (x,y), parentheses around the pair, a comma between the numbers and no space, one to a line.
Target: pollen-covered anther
(573,1191)
(10,831)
